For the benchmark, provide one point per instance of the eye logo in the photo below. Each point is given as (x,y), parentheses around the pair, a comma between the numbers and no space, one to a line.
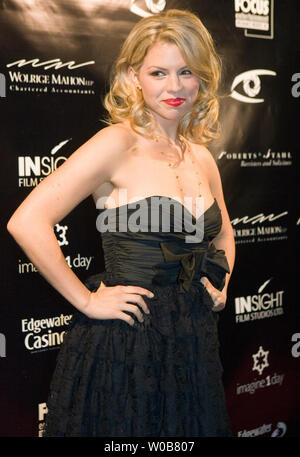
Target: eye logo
(280,430)
(152,5)
(251,85)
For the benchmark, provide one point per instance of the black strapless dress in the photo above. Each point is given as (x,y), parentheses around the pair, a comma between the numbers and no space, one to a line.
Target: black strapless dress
(161,377)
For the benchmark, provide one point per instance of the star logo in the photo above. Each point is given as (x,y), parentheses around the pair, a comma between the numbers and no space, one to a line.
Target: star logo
(260,360)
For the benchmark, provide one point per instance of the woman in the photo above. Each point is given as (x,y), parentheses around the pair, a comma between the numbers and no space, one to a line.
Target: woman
(141,355)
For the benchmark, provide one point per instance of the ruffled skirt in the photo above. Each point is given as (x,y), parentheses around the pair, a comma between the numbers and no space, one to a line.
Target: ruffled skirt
(160,378)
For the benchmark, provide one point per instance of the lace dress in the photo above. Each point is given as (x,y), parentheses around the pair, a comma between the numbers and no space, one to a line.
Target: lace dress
(161,377)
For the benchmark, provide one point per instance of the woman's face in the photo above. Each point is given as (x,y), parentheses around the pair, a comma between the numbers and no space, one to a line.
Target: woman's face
(168,86)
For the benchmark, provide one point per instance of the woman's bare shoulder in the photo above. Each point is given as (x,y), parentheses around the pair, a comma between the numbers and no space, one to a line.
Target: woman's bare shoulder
(203,153)
(116,137)
(207,161)
(110,139)
(200,148)
(105,150)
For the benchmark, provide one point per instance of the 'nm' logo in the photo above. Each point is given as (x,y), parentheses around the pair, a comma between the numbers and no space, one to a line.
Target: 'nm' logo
(2,85)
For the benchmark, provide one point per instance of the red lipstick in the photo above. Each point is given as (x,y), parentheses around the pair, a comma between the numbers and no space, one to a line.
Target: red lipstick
(174,101)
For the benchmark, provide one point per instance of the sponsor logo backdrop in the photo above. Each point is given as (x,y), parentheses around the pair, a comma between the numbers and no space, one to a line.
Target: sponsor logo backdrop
(54,68)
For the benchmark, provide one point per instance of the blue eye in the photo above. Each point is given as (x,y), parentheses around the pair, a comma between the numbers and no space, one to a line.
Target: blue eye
(186,72)
(157,73)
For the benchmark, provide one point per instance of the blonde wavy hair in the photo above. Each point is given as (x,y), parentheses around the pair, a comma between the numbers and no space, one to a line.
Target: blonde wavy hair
(185,29)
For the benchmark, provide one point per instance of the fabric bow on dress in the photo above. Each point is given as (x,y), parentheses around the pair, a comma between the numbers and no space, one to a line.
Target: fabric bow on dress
(189,265)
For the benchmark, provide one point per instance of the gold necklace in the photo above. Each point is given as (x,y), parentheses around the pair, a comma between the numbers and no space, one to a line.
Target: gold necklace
(184,146)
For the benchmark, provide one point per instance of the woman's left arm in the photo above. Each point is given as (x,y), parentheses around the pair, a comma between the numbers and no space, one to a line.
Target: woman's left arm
(225,238)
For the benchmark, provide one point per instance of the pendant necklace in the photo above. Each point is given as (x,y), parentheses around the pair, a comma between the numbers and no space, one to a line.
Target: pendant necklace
(184,146)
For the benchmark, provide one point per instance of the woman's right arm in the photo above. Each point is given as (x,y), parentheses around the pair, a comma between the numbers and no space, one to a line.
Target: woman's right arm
(53,199)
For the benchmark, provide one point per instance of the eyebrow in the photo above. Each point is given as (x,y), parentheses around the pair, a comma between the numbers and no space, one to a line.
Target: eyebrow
(165,69)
